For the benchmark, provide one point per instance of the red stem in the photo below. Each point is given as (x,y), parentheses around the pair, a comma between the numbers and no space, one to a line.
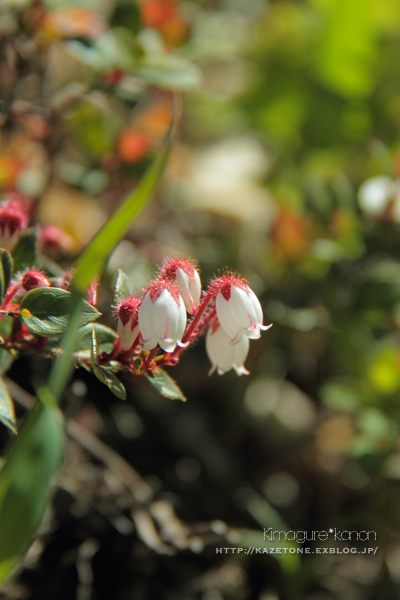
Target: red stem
(147,361)
(200,311)
(9,295)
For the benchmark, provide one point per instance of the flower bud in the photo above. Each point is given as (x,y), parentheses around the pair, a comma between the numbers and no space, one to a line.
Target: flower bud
(186,278)
(162,316)
(32,279)
(222,354)
(13,220)
(128,329)
(238,308)
(64,283)
(53,239)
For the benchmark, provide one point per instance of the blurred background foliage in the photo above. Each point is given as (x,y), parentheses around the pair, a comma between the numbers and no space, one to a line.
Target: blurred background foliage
(285,168)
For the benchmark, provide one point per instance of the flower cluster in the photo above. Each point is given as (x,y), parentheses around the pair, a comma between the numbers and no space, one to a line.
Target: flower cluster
(152,328)
(229,311)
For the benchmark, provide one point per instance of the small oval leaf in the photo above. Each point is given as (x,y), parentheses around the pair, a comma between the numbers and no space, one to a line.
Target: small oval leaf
(50,310)
(105,375)
(6,271)
(105,338)
(124,287)
(7,412)
(165,385)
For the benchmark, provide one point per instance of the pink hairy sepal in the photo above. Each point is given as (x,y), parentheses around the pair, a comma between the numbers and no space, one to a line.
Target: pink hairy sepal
(157,287)
(13,215)
(171,266)
(225,283)
(33,279)
(128,307)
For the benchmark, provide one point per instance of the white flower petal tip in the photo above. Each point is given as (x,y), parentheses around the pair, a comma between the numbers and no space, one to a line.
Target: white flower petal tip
(223,355)
(241,371)
(182,344)
(266,327)
(162,316)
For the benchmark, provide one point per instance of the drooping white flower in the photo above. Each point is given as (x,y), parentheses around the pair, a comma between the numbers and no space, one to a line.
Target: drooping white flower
(162,316)
(223,355)
(186,278)
(128,328)
(238,308)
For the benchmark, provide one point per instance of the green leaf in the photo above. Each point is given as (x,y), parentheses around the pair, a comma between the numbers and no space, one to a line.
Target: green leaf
(165,385)
(50,310)
(6,271)
(124,287)
(105,338)
(25,252)
(111,381)
(7,413)
(25,479)
(6,357)
(105,375)
(6,360)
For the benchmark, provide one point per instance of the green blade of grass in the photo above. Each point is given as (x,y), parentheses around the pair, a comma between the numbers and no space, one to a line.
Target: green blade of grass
(35,454)
(25,481)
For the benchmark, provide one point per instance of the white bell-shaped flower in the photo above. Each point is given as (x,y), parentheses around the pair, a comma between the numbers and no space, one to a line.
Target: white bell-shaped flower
(222,354)
(162,317)
(186,278)
(238,309)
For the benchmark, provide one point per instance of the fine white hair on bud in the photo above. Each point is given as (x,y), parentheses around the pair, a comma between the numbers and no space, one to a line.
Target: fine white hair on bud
(222,354)
(128,329)
(162,317)
(32,279)
(238,309)
(185,276)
